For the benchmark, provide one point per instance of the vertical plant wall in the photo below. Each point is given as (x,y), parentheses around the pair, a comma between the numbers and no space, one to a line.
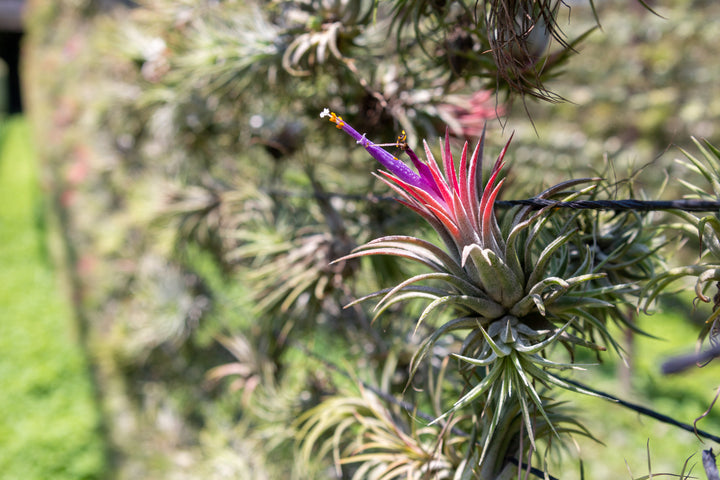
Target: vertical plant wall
(224,240)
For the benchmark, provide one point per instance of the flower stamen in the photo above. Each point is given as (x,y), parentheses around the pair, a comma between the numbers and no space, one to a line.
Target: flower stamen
(335,118)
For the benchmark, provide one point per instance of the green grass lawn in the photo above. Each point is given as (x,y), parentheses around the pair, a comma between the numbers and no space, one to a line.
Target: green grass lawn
(49,420)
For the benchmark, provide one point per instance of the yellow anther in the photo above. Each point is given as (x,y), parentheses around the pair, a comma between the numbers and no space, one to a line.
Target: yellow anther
(402,138)
(337,120)
(402,141)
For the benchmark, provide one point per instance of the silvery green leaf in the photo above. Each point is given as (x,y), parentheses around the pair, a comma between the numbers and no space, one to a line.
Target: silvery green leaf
(501,350)
(496,277)
(474,393)
(545,343)
(545,256)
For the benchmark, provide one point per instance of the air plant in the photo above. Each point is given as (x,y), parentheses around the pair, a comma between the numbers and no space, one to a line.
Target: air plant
(510,288)
(291,270)
(371,434)
(707,230)
(507,41)
(379,438)
(622,246)
(324,31)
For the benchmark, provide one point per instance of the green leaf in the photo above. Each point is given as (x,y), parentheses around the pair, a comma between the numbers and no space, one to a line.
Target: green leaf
(461,286)
(421,248)
(461,323)
(482,306)
(534,298)
(497,278)
(475,392)
(545,256)
(539,374)
(478,362)
(366,250)
(417,293)
(545,343)
(499,350)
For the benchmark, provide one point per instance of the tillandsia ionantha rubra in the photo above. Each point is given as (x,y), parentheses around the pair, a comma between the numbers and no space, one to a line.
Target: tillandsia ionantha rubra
(512,286)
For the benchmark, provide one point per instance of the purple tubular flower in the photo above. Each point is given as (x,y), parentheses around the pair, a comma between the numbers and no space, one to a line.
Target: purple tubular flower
(424,172)
(423,180)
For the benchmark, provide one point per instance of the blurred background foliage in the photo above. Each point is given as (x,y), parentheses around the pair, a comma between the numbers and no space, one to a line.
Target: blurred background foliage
(196,189)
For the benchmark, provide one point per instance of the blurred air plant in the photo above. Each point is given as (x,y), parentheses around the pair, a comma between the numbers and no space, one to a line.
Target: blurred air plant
(281,250)
(255,237)
(519,33)
(512,288)
(225,53)
(466,115)
(324,30)
(209,215)
(165,303)
(383,439)
(271,402)
(623,247)
(291,268)
(707,230)
(249,370)
(505,41)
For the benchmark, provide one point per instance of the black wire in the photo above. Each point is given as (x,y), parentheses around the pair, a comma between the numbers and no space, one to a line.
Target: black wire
(618,205)
(644,411)
(540,203)
(535,471)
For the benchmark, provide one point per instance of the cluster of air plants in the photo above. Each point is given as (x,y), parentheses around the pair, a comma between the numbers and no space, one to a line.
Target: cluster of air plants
(206,90)
(516,293)
(516,290)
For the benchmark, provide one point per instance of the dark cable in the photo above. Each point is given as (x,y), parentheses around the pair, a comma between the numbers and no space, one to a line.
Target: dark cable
(540,203)
(644,410)
(618,205)
(535,471)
